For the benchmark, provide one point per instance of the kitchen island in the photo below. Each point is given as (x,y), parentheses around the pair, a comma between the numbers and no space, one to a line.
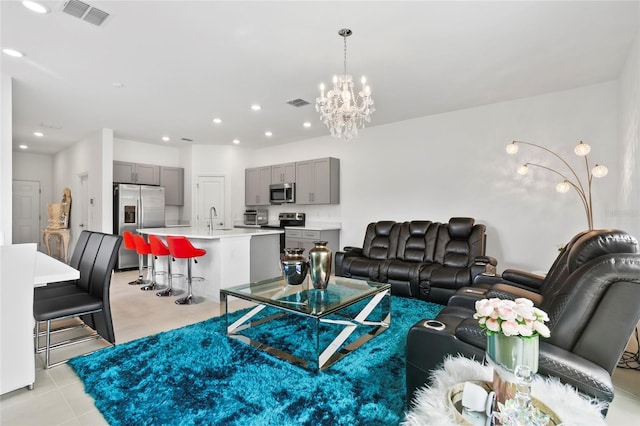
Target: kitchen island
(234,256)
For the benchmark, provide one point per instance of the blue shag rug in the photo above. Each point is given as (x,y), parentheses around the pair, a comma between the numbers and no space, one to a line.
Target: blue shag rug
(196,375)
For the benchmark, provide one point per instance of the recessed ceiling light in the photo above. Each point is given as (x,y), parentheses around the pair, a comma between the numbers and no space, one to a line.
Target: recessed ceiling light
(118,85)
(236,141)
(38,134)
(13,53)
(268,134)
(35,7)
(255,107)
(23,147)
(166,138)
(217,120)
(306,124)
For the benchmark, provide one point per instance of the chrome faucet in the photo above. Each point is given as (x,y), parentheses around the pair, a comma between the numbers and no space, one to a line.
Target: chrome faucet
(212,212)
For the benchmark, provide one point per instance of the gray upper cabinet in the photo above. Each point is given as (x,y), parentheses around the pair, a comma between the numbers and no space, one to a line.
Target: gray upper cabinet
(123,172)
(147,174)
(283,173)
(257,181)
(318,181)
(172,178)
(141,174)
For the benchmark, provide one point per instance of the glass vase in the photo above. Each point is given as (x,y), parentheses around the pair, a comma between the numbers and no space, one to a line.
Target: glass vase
(504,354)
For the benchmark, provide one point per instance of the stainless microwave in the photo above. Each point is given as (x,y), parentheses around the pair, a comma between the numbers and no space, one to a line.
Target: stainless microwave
(281,193)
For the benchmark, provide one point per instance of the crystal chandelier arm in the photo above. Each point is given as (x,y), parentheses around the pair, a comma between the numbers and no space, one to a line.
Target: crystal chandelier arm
(573,172)
(586,203)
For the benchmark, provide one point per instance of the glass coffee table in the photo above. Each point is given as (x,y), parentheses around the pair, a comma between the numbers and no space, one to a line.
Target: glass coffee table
(308,327)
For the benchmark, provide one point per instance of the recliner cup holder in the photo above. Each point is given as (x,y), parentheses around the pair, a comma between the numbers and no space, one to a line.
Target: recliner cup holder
(434,325)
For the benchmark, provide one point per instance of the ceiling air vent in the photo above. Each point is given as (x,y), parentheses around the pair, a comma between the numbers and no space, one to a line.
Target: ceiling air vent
(75,8)
(298,102)
(186,139)
(95,16)
(85,12)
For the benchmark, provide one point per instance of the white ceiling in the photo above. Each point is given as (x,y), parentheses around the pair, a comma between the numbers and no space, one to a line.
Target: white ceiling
(184,62)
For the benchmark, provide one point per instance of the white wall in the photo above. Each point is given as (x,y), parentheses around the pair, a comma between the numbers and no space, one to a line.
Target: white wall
(139,152)
(437,167)
(227,161)
(628,212)
(455,164)
(6,132)
(93,156)
(39,168)
(432,167)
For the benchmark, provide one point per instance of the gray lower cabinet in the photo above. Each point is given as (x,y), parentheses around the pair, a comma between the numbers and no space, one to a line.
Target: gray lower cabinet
(141,174)
(172,178)
(304,238)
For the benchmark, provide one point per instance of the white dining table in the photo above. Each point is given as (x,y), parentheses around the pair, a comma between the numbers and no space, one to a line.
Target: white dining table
(17,282)
(51,270)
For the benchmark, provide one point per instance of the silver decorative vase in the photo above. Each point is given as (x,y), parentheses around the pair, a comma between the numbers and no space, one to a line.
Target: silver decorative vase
(294,266)
(504,354)
(507,352)
(320,265)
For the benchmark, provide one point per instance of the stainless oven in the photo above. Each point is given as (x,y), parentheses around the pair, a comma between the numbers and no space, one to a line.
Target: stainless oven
(281,193)
(287,219)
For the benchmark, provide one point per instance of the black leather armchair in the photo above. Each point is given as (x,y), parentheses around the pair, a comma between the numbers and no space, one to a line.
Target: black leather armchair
(592,314)
(513,283)
(528,280)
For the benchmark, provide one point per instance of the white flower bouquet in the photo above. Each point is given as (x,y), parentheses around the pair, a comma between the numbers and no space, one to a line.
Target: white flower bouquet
(511,317)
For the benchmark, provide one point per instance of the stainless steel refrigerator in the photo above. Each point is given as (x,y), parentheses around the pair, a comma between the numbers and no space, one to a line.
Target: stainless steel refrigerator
(136,207)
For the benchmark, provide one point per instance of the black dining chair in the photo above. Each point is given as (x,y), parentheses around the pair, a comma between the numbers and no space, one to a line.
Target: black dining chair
(87,300)
(83,258)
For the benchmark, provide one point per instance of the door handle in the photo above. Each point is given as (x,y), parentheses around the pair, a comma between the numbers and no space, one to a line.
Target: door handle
(81,225)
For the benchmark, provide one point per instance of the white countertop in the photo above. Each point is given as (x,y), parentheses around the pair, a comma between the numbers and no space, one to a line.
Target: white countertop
(310,226)
(193,232)
(51,270)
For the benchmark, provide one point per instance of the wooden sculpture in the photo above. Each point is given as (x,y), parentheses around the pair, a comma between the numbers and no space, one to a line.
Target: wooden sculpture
(58,226)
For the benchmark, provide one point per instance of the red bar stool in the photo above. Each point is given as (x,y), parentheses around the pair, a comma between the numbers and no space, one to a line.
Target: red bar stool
(130,244)
(181,248)
(158,248)
(144,249)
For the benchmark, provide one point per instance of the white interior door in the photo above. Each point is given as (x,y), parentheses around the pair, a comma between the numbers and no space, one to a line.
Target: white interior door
(80,208)
(210,196)
(26,212)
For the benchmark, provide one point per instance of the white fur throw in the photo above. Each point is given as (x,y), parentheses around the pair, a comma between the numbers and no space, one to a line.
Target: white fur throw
(430,406)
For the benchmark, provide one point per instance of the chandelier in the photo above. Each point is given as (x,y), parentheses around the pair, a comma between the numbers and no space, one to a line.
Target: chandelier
(584,191)
(340,110)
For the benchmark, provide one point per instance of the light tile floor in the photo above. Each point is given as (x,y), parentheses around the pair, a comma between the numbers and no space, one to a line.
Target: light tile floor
(59,398)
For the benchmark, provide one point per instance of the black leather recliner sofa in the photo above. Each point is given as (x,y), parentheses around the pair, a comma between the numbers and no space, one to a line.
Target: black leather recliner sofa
(420,259)
(592,312)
